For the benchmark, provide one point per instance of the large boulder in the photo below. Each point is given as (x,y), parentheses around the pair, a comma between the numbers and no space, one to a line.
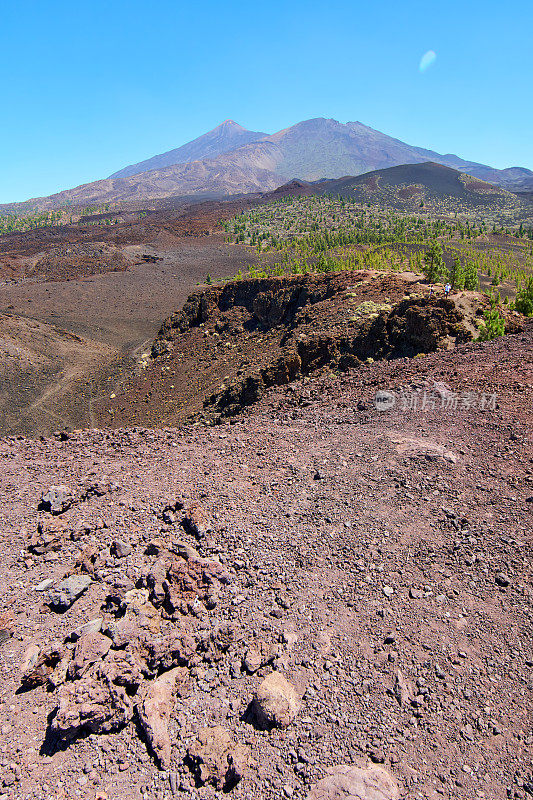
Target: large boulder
(67,591)
(346,782)
(56,499)
(93,704)
(154,708)
(39,664)
(89,649)
(276,702)
(49,535)
(216,759)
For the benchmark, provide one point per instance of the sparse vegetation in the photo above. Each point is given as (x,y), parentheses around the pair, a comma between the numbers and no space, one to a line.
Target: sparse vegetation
(326,234)
(11,223)
(493,324)
(93,215)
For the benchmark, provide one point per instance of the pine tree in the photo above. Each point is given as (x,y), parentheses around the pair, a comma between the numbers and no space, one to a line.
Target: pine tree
(457,274)
(434,267)
(471,276)
(524,298)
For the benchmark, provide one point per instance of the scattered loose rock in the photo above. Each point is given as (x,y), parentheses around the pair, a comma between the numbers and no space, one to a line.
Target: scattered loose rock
(354,783)
(276,702)
(216,759)
(402,689)
(67,591)
(258,655)
(121,549)
(7,626)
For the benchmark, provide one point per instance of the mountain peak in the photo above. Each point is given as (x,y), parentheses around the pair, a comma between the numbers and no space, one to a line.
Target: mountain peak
(229,123)
(227,136)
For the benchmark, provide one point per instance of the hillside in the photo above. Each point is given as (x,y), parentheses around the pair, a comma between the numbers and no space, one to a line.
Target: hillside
(310,150)
(430,185)
(248,607)
(225,137)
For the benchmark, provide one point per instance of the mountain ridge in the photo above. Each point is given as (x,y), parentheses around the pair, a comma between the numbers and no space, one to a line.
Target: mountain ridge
(310,150)
(227,136)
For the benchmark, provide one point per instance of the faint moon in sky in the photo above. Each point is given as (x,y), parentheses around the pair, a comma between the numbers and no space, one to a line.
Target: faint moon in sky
(427,60)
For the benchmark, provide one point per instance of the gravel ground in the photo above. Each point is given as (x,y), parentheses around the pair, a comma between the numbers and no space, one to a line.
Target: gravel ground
(379,560)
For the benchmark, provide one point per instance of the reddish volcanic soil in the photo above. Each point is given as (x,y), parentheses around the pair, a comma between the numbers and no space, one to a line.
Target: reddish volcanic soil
(380,561)
(231,342)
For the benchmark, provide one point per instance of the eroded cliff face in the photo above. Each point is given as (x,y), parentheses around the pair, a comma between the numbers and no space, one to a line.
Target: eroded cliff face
(411,327)
(304,323)
(230,343)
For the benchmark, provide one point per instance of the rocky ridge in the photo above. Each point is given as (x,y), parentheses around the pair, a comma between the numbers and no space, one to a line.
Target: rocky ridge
(230,343)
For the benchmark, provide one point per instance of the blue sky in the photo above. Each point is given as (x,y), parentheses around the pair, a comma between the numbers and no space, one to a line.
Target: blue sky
(90,87)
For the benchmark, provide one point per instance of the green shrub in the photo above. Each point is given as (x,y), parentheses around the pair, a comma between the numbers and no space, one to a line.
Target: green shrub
(493,324)
(524,298)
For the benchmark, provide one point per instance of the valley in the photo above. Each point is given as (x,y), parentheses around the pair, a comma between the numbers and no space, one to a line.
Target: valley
(116,314)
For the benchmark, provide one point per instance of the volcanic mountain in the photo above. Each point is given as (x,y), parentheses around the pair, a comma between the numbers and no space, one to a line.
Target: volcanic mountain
(310,150)
(222,139)
(411,186)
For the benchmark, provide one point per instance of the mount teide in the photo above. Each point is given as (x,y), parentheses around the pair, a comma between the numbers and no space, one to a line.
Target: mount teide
(230,160)
(222,139)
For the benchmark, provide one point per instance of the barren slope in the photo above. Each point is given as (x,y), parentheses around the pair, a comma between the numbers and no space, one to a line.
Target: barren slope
(380,561)
(40,365)
(225,137)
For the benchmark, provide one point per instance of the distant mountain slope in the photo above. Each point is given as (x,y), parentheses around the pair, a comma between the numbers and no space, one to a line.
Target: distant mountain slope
(316,148)
(222,139)
(325,148)
(238,172)
(412,186)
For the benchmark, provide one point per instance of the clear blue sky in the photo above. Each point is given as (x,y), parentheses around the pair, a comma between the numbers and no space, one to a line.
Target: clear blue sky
(90,87)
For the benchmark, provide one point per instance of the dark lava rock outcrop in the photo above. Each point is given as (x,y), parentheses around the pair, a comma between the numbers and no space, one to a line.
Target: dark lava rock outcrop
(231,342)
